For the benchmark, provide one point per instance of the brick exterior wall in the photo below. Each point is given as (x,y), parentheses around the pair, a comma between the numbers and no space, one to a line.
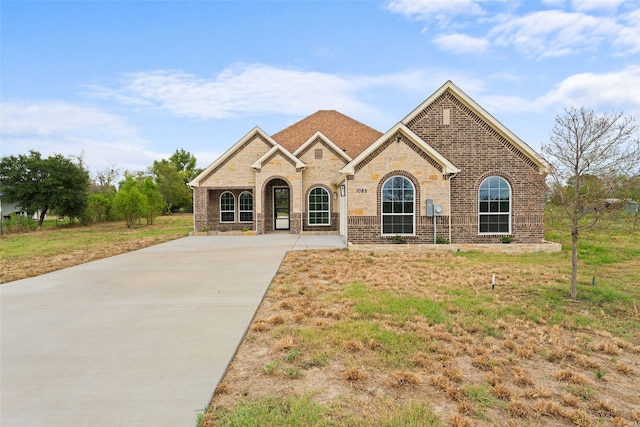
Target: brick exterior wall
(368,230)
(213,211)
(459,134)
(199,208)
(480,151)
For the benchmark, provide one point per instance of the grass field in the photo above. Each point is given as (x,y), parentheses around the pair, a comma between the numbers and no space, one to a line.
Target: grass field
(359,339)
(57,246)
(371,338)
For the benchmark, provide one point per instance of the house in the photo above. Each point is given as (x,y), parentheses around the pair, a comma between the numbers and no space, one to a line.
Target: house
(7,208)
(447,171)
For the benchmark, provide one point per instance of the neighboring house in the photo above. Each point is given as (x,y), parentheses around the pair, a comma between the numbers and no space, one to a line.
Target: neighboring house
(629,206)
(7,208)
(448,160)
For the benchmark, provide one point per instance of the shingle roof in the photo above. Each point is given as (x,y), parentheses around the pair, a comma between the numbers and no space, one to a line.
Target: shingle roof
(347,133)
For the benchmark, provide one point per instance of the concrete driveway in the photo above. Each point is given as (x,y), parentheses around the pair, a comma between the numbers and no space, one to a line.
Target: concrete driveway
(140,339)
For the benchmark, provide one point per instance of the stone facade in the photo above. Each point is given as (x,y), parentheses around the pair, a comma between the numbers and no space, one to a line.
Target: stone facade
(445,148)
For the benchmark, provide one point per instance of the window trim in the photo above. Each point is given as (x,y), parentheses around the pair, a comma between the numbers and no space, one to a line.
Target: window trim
(328,194)
(503,214)
(383,214)
(241,211)
(233,197)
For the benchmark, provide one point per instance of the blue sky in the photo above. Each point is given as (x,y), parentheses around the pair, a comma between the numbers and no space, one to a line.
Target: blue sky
(124,83)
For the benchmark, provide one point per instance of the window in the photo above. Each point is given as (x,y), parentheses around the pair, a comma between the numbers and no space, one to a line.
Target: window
(319,206)
(227,207)
(398,206)
(245,207)
(494,208)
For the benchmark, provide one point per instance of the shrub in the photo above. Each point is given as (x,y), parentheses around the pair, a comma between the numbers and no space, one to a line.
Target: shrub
(19,224)
(442,241)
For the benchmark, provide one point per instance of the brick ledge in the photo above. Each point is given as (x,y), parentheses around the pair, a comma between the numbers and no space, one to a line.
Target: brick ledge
(511,248)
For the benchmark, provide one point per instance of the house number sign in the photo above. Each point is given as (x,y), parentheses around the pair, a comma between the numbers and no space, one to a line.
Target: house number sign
(361,190)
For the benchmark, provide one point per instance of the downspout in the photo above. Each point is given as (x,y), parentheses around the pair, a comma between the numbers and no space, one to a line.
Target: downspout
(302,204)
(451,176)
(193,204)
(346,212)
(255,199)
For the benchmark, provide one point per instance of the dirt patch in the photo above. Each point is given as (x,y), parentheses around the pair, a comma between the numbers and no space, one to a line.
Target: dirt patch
(314,334)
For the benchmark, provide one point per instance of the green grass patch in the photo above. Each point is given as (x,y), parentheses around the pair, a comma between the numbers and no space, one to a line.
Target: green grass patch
(395,345)
(274,411)
(410,414)
(374,303)
(52,240)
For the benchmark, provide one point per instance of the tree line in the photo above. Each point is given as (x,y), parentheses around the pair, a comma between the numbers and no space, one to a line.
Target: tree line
(64,187)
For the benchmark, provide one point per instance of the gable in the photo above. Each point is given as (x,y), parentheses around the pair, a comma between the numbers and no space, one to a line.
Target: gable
(278,152)
(319,139)
(400,134)
(482,118)
(240,156)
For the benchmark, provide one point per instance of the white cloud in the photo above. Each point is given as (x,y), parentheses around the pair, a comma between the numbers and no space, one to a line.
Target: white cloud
(509,104)
(617,89)
(236,91)
(441,11)
(554,3)
(461,43)
(61,128)
(54,118)
(543,34)
(627,39)
(553,33)
(261,89)
(588,5)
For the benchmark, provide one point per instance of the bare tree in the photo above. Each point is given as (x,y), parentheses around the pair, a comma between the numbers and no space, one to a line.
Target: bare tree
(106,179)
(588,152)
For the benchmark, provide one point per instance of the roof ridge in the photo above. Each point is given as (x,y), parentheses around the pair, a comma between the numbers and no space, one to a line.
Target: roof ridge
(346,132)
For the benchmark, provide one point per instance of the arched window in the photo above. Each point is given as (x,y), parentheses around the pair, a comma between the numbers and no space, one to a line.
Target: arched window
(227,207)
(319,207)
(494,207)
(245,207)
(398,206)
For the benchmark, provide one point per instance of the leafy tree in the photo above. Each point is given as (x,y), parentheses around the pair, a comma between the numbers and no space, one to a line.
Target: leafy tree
(172,185)
(155,201)
(55,183)
(185,163)
(172,177)
(100,207)
(588,152)
(130,202)
(101,193)
(138,198)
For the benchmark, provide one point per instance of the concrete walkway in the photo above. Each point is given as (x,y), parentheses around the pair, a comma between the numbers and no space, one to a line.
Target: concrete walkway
(140,339)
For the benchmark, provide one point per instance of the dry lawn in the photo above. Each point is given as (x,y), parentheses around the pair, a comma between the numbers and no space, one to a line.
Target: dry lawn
(364,335)
(54,248)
